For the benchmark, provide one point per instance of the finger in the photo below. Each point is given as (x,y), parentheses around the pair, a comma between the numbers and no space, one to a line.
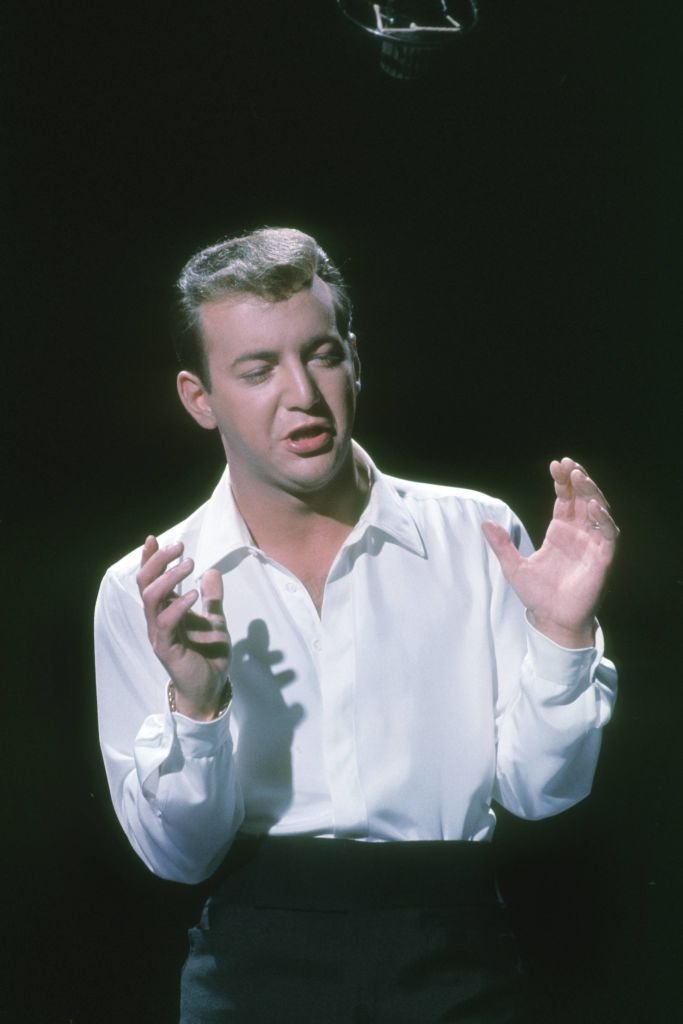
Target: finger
(587,488)
(209,637)
(600,520)
(158,593)
(571,482)
(197,623)
(562,467)
(150,547)
(505,551)
(155,560)
(569,465)
(561,471)
(212,592)
(168,620)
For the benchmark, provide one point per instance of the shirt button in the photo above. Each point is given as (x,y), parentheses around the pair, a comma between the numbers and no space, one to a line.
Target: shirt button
(317,645)
(291,587)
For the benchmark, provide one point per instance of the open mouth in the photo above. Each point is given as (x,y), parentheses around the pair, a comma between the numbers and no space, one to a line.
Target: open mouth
(309,439)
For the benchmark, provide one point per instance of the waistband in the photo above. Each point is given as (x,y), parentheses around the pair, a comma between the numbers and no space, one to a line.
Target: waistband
(301,872)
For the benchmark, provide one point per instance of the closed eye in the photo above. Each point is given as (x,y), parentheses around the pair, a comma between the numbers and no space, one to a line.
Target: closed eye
(328,358)
(330,354)
(256,375)
(327,352)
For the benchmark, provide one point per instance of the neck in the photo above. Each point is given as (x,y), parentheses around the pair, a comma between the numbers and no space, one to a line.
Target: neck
(272,515)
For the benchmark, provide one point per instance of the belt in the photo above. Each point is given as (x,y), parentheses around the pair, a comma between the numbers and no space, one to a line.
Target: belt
(302,872)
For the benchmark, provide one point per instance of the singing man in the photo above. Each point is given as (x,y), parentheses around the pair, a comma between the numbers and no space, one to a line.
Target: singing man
(321,679)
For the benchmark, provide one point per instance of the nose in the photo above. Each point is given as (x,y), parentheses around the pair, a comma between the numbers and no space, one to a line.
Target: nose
(301,390)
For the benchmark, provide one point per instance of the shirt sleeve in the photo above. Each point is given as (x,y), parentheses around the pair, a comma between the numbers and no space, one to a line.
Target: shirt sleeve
(551,706)
(173,780)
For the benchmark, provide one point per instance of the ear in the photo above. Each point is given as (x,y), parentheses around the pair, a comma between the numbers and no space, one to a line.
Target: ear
(353,344)
(195,398)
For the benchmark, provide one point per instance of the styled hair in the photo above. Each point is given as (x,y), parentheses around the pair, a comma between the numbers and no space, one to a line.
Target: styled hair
(271,263)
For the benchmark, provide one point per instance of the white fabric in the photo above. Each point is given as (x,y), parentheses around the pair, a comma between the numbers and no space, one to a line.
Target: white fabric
(417,696)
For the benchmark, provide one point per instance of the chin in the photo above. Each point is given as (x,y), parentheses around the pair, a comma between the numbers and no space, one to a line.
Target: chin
(318,478)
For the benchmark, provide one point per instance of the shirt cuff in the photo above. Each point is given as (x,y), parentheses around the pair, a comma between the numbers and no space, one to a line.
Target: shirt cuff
(564,667)
(200,739)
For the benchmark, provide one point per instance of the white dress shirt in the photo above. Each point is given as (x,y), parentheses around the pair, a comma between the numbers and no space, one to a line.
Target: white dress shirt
(418,695)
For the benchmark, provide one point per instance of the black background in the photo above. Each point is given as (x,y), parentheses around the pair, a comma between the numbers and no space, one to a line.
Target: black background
(509,228)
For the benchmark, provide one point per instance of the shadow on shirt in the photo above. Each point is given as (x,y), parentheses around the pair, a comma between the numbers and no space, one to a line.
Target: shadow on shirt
(266,725)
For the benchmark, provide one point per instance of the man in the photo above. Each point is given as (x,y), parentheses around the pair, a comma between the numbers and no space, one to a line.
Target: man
(324,676)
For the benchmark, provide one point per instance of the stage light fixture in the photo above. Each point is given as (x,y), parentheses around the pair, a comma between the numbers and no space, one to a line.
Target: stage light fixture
(411,31)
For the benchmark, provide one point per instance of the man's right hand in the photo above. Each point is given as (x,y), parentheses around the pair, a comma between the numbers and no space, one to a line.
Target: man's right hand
(193,648)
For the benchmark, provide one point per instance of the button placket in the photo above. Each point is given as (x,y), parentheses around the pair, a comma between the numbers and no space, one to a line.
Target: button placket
(337,667)
(303,610)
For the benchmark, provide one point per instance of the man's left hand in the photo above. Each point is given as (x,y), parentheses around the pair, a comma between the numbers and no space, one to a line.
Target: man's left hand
(561,584)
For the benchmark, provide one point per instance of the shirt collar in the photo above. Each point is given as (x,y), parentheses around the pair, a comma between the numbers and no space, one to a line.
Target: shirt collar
(224,533)
(386,511)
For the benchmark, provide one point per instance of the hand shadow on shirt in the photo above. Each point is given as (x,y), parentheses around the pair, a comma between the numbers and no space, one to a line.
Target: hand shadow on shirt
(266,725)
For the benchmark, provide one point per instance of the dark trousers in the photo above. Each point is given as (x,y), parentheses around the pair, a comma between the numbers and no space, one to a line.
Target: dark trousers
(317,931)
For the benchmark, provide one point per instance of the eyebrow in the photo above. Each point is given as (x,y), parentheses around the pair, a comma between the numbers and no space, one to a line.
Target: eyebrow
(267,355)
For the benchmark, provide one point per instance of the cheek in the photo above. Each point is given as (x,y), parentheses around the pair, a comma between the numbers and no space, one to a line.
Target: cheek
(345,387)
(250,418)
(346,404)
(352,389)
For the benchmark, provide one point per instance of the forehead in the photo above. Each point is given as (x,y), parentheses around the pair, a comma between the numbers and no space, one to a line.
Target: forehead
(240,322)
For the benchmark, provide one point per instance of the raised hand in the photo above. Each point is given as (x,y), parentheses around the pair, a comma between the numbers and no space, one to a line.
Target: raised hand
(561,584)
(193,648)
